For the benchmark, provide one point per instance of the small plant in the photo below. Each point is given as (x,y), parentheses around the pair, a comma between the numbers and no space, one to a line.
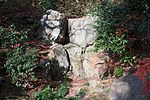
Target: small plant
(20,64)
(79,96)
(52,94)
(20,61)
(74,98)
(129,59)
(148,96)
(1,35)
(63,90)
(45,94)
(118,71)
(57,94)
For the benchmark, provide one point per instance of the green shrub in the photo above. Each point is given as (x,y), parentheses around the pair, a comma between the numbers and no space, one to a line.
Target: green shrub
(46,4)
(106,27)
(57,94)
(45,94)
(51,94)
(1,35)
(20,64)
(115,23)
(72,8)
(11,37)
(20,60)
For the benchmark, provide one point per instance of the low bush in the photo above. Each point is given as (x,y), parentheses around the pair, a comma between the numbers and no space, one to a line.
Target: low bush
(46,4)
(20,64)
(11,37)
(71,8)
(116,24)
(106,27)
(58,94)
(21,59)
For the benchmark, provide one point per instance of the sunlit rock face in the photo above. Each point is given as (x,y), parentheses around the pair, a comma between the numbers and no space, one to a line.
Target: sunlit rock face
(81,31)
(81,35)
(85,63)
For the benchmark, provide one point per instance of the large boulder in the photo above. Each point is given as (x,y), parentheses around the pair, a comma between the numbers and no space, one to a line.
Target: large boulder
(78,55)
(94,62)
(59,58)
(126,88)
(53,27)
(81,31)
(76,59)
(56,63)
(82,36)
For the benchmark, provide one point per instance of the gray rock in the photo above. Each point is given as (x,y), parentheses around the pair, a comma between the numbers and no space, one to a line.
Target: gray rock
(127,88)
(52,15)
(59,60)
(43,19)
(55,34)
(53,23)
(86,64)
(61,55)
(81,31)
(78,55)
(94,62)
(53,27)
(119,91)
(57,64)
(76,59)
(81,35)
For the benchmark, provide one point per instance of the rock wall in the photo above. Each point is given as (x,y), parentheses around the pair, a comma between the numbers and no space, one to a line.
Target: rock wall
(77,54)
(85,62)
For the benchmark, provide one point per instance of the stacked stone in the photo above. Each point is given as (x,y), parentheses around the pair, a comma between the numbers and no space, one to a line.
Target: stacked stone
(53,27)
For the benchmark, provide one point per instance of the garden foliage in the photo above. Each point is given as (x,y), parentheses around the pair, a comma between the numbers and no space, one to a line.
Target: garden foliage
(116,23)
(11,37)
(21,59)
(50,94)
(20,65)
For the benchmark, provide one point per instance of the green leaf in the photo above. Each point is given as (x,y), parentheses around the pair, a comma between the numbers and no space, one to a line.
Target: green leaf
(118,71)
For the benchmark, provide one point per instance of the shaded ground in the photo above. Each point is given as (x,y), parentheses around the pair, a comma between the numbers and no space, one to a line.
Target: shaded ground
(9,91)
(99,92)
(143,73)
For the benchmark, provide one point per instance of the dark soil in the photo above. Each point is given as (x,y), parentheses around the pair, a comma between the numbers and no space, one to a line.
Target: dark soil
(9,91)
